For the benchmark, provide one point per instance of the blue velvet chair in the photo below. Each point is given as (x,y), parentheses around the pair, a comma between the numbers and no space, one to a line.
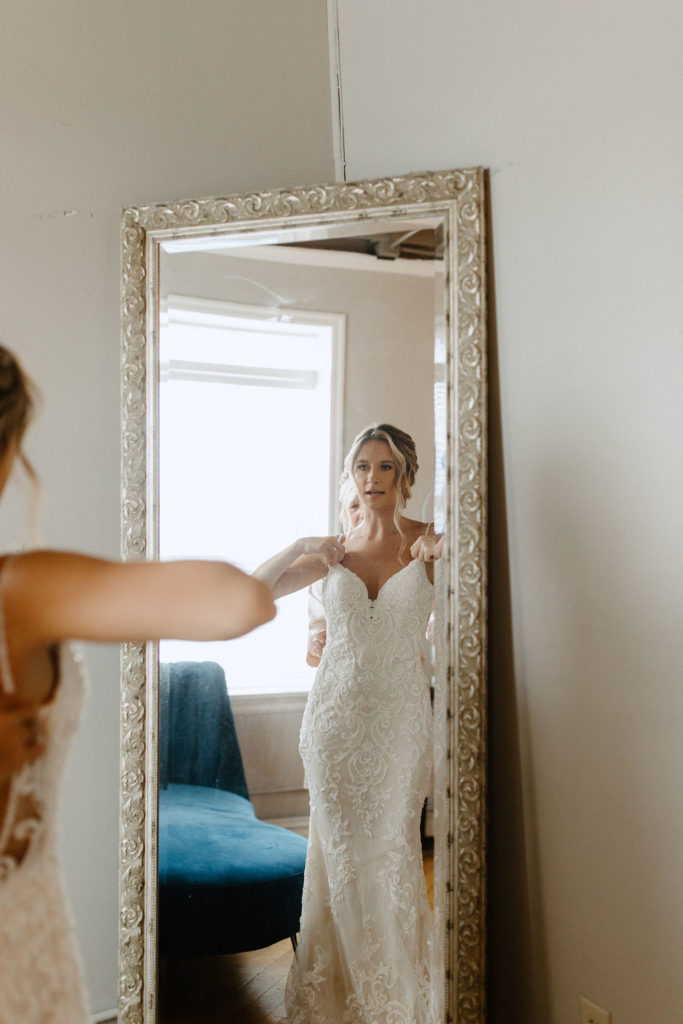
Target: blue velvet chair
(227,881)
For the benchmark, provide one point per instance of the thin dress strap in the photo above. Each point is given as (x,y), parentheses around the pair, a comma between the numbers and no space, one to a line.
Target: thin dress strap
(427,530)
(6,680)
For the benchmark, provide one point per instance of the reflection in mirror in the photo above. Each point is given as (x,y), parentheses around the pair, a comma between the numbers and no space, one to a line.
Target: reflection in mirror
(271,358)
(269,350)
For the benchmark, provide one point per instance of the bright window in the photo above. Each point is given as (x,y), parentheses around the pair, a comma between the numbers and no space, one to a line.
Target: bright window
(249,459)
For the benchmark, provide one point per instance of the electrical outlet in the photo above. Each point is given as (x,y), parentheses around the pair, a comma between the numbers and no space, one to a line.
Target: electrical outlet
(591,1013)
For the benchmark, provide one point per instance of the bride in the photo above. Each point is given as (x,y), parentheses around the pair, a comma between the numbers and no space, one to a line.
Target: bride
(365,951)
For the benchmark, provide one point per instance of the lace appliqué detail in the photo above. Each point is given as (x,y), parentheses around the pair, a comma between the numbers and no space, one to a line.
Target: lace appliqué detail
(379,993)
(364,955)
(40,977)
(23,820)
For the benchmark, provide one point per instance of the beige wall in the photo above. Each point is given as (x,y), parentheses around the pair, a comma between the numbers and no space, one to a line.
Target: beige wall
(268,732)
(576,108)
(105,105)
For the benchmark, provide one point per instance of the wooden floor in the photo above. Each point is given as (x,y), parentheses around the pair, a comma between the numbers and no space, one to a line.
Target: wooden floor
(246,988)
(428,862)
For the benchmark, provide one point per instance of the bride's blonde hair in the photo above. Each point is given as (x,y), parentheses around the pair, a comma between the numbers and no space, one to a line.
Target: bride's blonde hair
(404,454)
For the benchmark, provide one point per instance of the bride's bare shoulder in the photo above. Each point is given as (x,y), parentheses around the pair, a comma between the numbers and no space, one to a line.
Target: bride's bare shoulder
(414,528)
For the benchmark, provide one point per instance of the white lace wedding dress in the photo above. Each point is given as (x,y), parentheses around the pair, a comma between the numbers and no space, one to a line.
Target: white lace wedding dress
(40,977)
(365,949)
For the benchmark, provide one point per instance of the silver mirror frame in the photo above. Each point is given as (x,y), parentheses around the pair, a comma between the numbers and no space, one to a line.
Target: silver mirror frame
(459,197)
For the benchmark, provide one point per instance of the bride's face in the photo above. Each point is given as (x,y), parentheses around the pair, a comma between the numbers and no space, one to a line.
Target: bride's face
(374,474)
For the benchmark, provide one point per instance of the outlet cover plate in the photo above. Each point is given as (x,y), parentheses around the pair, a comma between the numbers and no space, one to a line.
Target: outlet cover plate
(591,1013)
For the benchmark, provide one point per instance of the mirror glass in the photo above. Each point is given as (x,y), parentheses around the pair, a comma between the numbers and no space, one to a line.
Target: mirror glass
(272,358)
(267,348)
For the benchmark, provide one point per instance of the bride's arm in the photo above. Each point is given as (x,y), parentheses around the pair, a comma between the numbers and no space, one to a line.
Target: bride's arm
(300,564)
(317,625)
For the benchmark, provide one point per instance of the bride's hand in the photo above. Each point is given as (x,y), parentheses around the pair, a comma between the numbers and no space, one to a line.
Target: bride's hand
(329,549)
(428,549)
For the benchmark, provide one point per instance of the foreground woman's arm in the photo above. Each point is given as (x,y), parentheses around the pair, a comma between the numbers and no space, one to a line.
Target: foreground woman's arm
(52,596)
(300,564)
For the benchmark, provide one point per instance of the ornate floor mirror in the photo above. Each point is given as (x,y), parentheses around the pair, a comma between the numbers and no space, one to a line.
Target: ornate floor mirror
(386,279)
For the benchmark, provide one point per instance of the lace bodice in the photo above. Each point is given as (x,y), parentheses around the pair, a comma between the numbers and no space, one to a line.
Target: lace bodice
(366,741)
(40,979)
(376,633)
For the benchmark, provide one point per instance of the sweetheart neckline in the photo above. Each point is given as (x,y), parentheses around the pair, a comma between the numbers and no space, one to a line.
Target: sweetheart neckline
(398,572)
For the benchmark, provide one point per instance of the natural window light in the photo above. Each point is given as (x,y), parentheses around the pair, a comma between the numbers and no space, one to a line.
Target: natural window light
(249,460)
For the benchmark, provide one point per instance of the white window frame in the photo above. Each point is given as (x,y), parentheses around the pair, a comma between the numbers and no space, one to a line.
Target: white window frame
(191,311)
(201,312)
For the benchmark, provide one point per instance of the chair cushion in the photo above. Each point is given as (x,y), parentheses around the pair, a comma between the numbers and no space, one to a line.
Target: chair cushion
(227,881)
(213,837)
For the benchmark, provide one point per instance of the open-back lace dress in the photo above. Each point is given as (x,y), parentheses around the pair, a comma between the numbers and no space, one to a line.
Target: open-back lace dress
(40,977)
(365,949)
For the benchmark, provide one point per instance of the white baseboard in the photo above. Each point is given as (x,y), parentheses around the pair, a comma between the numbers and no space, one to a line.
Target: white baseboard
(267,703)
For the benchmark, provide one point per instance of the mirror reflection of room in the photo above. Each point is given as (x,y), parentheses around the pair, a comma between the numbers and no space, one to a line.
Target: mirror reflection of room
(272,357)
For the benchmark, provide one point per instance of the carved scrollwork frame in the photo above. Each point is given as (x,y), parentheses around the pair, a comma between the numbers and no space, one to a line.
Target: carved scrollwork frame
(458,197)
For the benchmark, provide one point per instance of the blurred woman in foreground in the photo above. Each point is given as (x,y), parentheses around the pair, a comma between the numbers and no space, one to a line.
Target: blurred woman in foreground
(46,599)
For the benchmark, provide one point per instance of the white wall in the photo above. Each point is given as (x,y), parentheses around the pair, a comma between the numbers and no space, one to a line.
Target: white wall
(576,108)
(106,105)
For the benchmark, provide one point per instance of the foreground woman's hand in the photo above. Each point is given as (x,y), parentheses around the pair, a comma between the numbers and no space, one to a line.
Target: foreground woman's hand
(22,738)
(302,563)
(428,549)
